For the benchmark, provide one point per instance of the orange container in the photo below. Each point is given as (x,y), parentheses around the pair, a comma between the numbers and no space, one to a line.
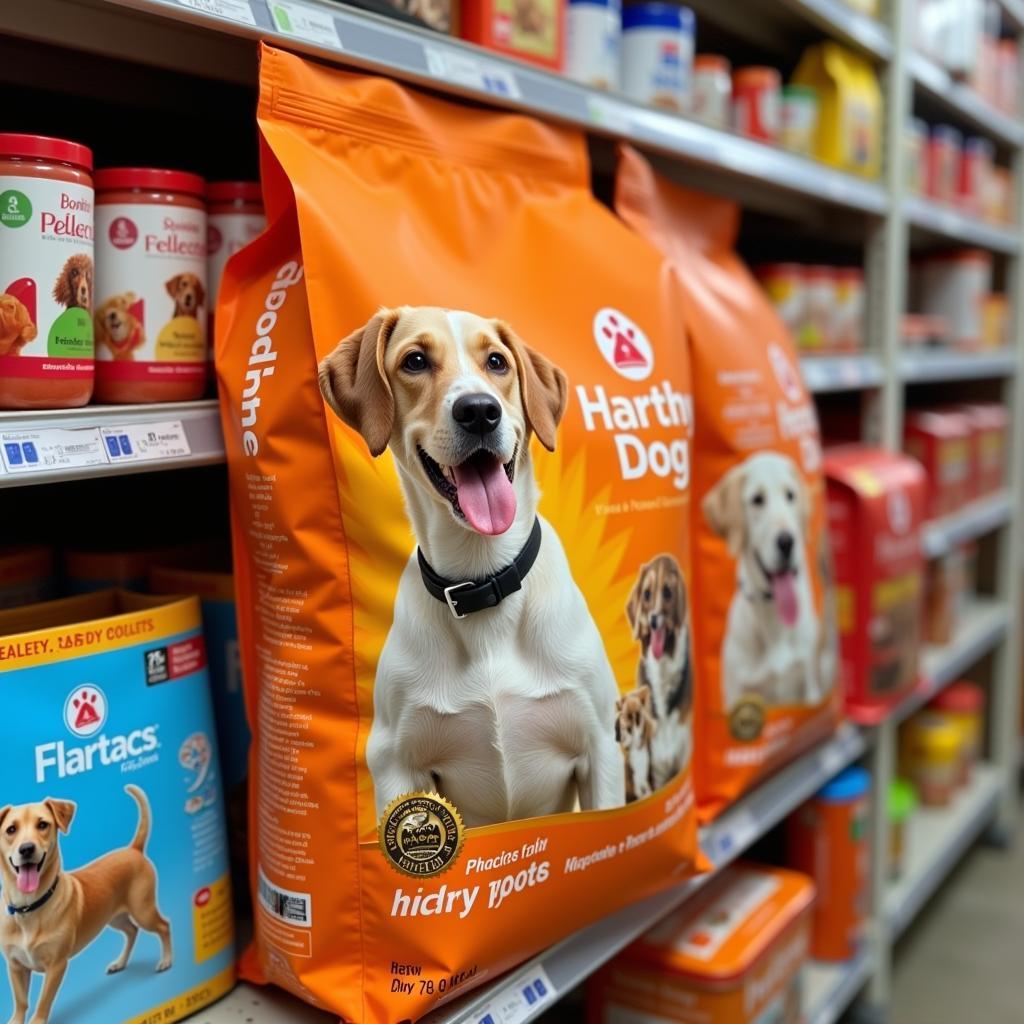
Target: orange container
(828,839)
(730,956)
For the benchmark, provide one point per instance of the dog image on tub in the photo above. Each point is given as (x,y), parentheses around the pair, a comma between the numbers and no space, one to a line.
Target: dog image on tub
(493,687)
(658,613)
(773,646)
(53,914)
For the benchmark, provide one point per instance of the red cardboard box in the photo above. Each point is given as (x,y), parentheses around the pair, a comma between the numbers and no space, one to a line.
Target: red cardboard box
(941,442)
(876,503)
(990,425)
(532,30)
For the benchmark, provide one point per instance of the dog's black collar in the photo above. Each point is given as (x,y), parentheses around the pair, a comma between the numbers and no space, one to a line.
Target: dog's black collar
(468,596)
(41,902)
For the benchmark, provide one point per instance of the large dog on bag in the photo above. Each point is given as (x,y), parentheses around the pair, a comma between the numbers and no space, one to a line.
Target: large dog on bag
(773,647)
(52,915)
(493,687)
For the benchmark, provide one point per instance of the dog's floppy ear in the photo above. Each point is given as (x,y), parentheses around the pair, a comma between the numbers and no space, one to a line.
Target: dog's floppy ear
(354,385)
(62,287)
(4,811)
(544,387)
(723,509)
(63,811)
(173,285)
(200,293)
(633,604)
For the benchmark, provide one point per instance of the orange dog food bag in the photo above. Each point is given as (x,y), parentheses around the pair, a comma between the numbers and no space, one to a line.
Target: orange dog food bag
(458,442)
(764,626)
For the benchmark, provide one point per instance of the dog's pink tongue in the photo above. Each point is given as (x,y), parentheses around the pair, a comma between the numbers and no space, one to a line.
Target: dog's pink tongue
(485,495)
(28,878)
(658,642)
(784,593)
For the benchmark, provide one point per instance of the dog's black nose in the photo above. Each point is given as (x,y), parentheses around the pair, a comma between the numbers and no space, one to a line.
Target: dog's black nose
(784,542)
(26,849)
(477,413)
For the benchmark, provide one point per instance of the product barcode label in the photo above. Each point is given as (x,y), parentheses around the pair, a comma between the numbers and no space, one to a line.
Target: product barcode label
(294,908)
(40,451)
(470,71)
(230,10)
(143,442)
(302,22)
(521,999)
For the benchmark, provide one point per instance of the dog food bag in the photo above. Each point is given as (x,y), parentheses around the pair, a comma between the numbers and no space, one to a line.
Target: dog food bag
(876,504)
(46,273)
(114,869)
(990,422)
(532,30)
(942,441)
(731,955)
(461,554)
(764,631)
(150,313)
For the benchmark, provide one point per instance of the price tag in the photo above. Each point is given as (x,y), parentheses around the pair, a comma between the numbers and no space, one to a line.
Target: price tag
(523,999)
(302,22)
(144,442)
(470,71)
(40,451)
(229,10)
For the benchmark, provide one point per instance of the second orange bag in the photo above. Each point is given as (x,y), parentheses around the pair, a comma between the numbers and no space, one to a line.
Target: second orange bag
(457,413)
(764,617)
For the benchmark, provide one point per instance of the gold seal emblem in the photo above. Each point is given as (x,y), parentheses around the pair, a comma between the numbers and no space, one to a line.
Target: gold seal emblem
(421,834)
(746,720)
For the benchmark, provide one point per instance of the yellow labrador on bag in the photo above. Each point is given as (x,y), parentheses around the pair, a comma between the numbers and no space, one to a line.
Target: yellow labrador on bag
(53,915)
(772,642)
(493,687)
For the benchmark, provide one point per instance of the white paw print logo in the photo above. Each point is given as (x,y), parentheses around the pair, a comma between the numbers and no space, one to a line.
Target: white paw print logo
(85,710)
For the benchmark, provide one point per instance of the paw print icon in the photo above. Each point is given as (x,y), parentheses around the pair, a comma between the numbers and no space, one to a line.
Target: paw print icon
(85,710)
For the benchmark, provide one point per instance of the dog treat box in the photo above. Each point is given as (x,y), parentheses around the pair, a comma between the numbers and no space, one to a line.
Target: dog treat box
(114,864)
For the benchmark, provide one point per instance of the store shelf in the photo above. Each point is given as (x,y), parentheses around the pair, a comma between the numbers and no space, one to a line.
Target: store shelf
(977,519)
(357,38)
(950,223)
(828,989)
(1014,11)
(566,964)
(930,364)
(107,440)
(840,21)
(936,839)
(842,373)
(961,100)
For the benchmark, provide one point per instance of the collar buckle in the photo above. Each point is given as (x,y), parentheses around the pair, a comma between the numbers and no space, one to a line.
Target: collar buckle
(448,597)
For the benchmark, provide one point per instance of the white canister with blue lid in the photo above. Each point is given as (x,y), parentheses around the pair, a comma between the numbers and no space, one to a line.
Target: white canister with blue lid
(593,40)
(657,54)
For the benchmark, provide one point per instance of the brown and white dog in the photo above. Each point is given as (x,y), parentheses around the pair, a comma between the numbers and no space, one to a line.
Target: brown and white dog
(188,294)
(53,915)
(634,729)
(73,287)
(509,711)
(658,611)
(118,328)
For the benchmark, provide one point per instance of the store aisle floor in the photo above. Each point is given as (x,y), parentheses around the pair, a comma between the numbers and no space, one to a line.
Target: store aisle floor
(962,960)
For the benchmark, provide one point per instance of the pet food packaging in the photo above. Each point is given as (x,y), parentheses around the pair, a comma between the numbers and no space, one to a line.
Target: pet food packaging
(756,103)
(945,151)
(784,285)
(999,203)
(847,328)
(435,14)
(850,107)
(712,90)
(819,309)
(799,119)
(1007,76)
(975,168)
(764,623)
(530,30)
(46,273)
(876,506)
(117,753)
(941,442)
(730,955)
(945,596)
(954,286)
(932,749)
(593,42)
(827,839)
(151,303)
(26,574)
(917,156)
(963,704)
(991,424)
(400,875)
(995,321)
(901,806)
(657,55)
